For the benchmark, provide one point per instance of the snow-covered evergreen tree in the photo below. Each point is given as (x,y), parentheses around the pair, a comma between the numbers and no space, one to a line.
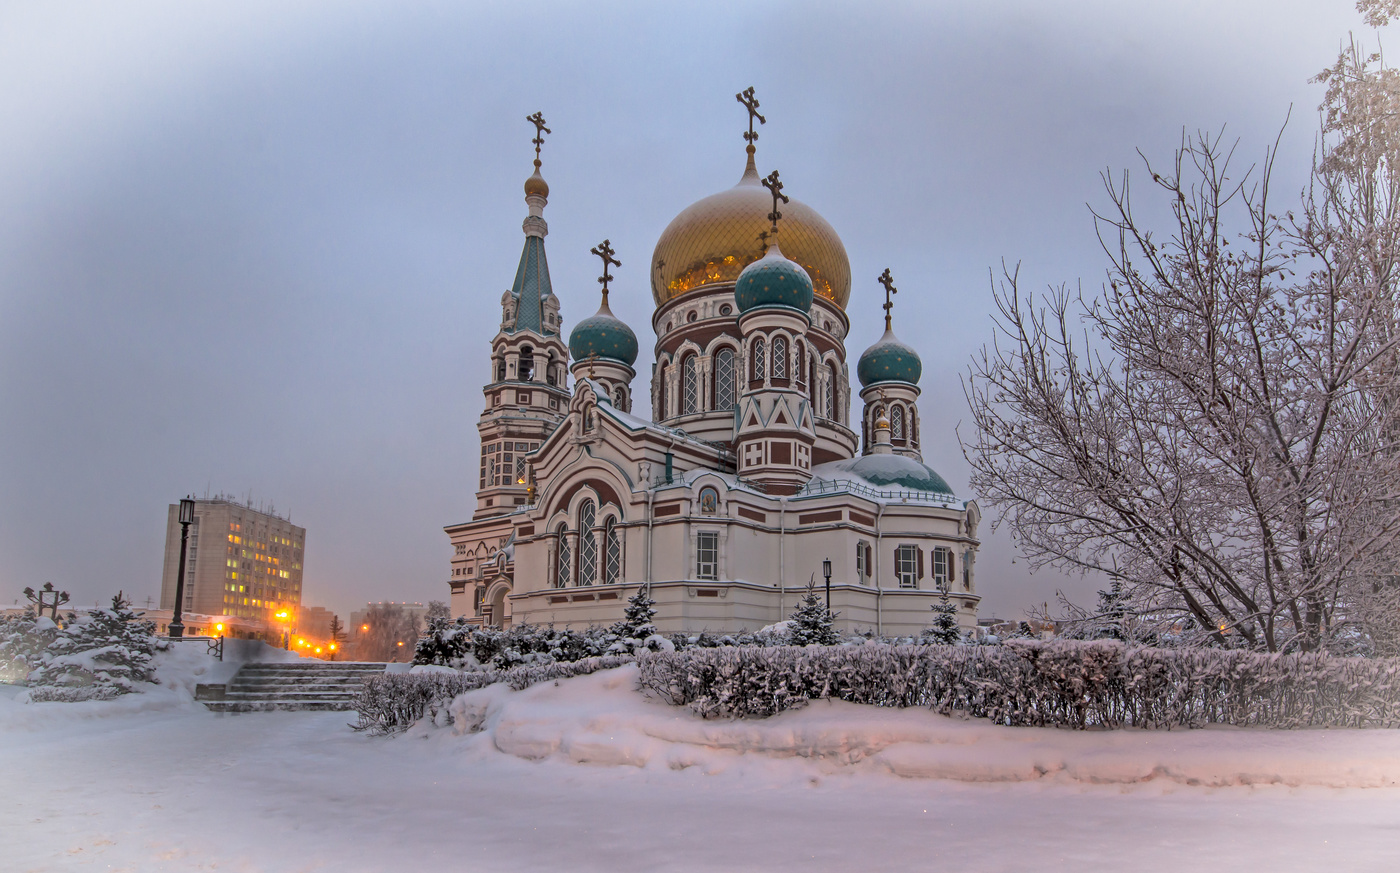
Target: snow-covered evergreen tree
(23,639)
(812,622)
(944,631)
(100,656)
(638,619)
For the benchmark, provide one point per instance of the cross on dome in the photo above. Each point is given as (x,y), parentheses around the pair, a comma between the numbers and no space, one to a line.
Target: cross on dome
(888,281)
(605,251)
(751,104)
(776,187)
(538,121)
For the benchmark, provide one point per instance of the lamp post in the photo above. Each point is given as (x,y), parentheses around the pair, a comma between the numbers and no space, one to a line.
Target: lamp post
(177,627)
(826,571)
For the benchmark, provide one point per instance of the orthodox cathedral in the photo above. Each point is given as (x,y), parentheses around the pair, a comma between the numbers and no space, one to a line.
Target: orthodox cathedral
(749,481)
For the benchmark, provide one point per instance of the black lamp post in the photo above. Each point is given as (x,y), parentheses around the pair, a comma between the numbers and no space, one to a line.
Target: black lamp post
(177,627)
(826,571)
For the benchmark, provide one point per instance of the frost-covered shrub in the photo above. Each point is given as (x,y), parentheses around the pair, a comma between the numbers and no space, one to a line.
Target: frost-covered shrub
(1059,683)
(393,702)
(23,639)
(100,656)
(454,643)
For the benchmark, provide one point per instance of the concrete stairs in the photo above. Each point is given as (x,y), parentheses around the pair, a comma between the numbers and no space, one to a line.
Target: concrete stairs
(310,685)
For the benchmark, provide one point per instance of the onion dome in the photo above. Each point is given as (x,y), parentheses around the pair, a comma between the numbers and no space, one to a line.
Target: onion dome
(604,335)
(889,360)
(714,239)
(536,184)
(773,280)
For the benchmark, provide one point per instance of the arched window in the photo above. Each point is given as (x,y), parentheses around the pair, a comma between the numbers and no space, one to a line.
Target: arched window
(501,370)
(759,354)
(619,397)
(563,561)
(897,422)
(526,370)
(833,397)
(779,358)
(801,356)
(690,391)
(812,366)
(724,380)
(914,427)
(587,544)
(612,552)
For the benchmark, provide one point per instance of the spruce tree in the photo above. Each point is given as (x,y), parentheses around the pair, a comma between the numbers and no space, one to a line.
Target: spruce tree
(637,621)
(101,656)
(23,639)
(944,631)
(812,623)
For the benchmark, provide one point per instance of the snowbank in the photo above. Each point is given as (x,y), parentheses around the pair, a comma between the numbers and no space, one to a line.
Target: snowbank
(602,720)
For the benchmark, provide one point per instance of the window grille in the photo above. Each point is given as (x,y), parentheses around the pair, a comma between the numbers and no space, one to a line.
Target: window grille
(587,545)
(897,422)
(759,353)
(779,358)
(860,560)
(906,566)
(692,386)
(942,567)
(563,568)
(612,553)
(707,555)
(724,380)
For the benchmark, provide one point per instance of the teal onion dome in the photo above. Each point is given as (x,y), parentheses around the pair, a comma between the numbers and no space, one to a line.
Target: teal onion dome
(773,280)
(898,471)
(604,335)
(889,360)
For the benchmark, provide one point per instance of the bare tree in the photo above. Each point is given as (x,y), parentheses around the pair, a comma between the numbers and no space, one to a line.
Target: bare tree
(1215,431)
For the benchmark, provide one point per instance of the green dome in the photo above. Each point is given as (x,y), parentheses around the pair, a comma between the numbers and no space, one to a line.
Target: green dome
(773,280)
(605,335)
(889,360)
(888,472)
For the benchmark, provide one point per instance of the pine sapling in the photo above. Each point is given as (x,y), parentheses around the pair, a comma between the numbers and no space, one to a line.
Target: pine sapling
(944,631)
(813,622)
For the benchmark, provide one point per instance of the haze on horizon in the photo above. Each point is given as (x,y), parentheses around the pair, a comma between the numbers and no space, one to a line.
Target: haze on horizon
(259,249)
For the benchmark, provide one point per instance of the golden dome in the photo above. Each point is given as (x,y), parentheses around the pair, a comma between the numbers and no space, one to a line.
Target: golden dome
(536,183)
(714,239)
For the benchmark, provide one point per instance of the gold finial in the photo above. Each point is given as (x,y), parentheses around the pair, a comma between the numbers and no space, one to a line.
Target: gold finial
(538,121)
(773,185)
(592,358)
(888,281)
(605,251)
(751,104)
(763,240)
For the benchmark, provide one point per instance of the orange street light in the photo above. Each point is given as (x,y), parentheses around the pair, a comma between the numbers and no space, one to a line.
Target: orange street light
(364,627)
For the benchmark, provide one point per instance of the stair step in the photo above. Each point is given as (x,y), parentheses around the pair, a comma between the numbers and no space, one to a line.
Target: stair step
(320,686)
(237,706)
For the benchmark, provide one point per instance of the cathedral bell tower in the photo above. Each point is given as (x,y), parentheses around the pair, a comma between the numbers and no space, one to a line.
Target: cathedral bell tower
(528,394)
(889,374)
(773,422)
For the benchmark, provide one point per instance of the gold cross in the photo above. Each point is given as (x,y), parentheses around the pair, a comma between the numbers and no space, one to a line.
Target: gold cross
(605,251)
(888,281)
(746,97)
(772,184)
(538,121)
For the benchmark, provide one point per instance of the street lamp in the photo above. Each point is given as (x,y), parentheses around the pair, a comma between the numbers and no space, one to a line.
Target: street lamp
(177,627)
(826,571)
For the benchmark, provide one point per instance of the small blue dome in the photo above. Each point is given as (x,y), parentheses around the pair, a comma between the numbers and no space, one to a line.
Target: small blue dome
(889,360)
(605,335)
(773,280)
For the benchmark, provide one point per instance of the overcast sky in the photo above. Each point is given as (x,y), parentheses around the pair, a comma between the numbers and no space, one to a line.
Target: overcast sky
(259,247)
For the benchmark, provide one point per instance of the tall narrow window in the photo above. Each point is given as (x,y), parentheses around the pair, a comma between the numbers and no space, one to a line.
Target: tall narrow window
(526,369)
(860,560)
(812,384)
(707,555)
(801,357)
(779,358)
(942,567)
(619,397)
(833,397)
(501,370)
(587,544)
(612,552)
(563,568)
(897,422)
(906,566)
(724,380)
(691,389)
(759,354)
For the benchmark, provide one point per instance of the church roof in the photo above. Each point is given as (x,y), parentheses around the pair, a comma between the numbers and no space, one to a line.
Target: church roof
(531,288)
(884,478)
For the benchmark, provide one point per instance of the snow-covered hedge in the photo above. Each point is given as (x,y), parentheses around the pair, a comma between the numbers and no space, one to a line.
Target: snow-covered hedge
(1059,683)
(391,703)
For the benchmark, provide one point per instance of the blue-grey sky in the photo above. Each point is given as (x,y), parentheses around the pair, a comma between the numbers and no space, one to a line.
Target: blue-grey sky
(259,247)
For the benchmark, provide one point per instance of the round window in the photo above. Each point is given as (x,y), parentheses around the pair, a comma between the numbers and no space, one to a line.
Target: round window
(725,309)
(692,316)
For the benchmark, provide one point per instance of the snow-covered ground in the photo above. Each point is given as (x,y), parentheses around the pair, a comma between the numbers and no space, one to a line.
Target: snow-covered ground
(588,775)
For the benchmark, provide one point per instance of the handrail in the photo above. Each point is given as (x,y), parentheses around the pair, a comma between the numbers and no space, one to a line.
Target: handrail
(833,486)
